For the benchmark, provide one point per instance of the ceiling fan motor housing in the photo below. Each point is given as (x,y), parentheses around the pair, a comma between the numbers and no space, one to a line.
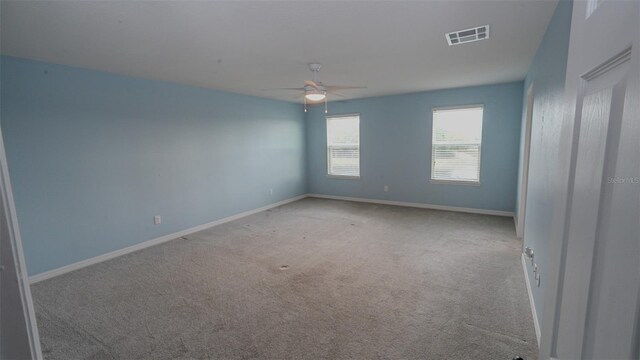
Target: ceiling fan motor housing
(315,67)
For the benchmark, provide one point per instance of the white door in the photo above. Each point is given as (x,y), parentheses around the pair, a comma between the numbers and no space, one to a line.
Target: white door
(592,309)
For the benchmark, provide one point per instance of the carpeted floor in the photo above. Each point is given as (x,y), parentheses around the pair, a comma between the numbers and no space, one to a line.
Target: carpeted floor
(311,279)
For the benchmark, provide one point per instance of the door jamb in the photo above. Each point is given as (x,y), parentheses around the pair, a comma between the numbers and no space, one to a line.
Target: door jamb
(525,163)
(18,254)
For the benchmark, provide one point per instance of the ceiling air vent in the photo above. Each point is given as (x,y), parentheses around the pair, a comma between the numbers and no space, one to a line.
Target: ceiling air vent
(468,35)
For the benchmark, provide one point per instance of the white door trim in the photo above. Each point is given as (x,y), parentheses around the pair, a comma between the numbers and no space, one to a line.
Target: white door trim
(524,182)
(18,255)
(536,325)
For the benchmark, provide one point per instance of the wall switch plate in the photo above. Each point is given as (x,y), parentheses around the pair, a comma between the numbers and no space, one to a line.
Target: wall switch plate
(386,188)
(157,220)
(270,191)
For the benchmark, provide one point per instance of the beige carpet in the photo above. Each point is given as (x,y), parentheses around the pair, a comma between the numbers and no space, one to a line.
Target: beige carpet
(311,279)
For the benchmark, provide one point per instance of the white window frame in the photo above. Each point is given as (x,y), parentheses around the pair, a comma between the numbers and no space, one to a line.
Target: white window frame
(348,177)
(433,145)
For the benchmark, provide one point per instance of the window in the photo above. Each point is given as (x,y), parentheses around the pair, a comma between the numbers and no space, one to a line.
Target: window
(343,146)
(456,141)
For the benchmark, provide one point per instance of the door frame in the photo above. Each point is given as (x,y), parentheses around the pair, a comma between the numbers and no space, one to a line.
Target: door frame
(524,182)
(24,289)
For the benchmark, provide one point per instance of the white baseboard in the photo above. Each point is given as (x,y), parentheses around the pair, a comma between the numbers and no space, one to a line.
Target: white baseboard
(110,255)
(531,302)
(417,205)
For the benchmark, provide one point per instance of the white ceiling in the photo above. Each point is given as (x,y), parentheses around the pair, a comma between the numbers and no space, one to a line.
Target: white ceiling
(392,47)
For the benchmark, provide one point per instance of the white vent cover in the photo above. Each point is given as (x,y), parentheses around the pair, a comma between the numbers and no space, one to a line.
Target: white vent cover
(468,35)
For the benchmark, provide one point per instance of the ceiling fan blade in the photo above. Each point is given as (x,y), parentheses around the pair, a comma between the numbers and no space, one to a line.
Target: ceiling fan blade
(338,94)
(311,83)
(298,89)
(338,87)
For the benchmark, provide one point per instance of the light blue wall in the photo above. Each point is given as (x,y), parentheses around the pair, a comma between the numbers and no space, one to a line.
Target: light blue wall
(547,74)
(395,143)
(94,156)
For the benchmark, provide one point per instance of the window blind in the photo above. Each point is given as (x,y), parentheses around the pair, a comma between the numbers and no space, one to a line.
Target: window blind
(343,145)
(456,144)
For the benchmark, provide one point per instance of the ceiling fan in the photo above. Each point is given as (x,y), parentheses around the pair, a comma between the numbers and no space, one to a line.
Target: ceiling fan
(315,92)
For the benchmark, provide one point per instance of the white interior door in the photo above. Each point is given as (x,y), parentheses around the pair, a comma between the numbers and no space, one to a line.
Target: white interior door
(592,310)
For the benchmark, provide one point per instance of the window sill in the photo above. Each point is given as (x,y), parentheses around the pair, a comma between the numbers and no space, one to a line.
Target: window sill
(455,182)
(345,177)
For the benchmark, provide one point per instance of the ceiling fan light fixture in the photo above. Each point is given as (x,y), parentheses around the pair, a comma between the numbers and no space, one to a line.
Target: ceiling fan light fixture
(315,95)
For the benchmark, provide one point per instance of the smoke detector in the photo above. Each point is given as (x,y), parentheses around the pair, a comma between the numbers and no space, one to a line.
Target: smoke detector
(468,35)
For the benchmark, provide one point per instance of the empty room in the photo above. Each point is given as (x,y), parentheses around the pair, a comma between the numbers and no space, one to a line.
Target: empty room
(320,179)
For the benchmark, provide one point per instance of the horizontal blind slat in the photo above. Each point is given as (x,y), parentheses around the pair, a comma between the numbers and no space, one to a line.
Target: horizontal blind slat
(344,160)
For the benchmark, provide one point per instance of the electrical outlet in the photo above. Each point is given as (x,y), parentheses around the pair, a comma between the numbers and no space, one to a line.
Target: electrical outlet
(386,188)
(157,220)
(270,191)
